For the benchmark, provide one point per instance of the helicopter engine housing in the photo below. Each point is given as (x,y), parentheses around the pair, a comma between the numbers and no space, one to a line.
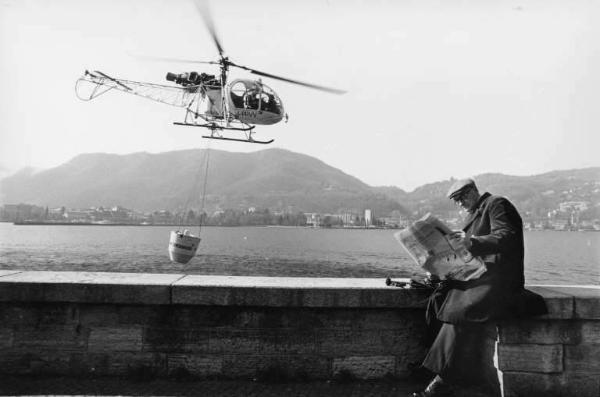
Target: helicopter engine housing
(192,78)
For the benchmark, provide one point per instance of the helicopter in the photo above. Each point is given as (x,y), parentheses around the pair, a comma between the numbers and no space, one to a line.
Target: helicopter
(230,110)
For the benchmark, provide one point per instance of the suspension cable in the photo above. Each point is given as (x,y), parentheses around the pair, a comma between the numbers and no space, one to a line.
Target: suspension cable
(196,189)
(207,158)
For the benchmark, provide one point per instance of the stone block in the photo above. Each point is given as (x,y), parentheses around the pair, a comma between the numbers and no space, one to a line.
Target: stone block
(59,338)
(400,319)
(245,341)
(55,363)
(282,341)
(6,338)
(308,318)
(560,305)
(110,339)
(87,287)
(14,362)
(137,366)
(299,318)
(349,341)
(531,358)
(583,358)
(98,315)
(195,365)
(198,316)
(36,314)
(42,362)
(587,300)
(587,307)
(123,314)
(590,332)
(293,292)
(365,367)
(276,368)
(546,332)
(146,315)
(12,314)
(176,340)
(8,272)
(527,384)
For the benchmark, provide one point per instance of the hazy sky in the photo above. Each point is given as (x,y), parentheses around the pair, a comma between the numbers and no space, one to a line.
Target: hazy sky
(435,89)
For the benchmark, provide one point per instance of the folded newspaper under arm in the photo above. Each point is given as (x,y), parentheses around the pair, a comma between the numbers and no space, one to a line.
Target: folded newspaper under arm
(426,241)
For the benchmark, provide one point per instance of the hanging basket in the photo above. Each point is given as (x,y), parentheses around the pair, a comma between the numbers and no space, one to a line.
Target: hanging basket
(182,246)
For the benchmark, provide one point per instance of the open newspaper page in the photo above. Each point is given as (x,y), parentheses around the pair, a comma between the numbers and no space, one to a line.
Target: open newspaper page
(427,243)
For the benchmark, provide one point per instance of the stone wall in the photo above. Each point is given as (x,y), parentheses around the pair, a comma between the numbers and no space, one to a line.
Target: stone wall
(146,325)
(118,324)
(557,354)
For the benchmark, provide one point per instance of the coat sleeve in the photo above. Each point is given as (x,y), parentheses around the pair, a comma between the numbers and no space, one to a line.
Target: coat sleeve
(505,229)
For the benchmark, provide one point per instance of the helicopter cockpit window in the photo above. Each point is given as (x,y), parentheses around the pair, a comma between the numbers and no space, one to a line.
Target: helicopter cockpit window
(269,101)
(237,94)
(252,98)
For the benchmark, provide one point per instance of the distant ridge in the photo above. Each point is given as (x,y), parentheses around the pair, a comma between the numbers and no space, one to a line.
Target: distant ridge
(535,195)
(271,178)
(277,179)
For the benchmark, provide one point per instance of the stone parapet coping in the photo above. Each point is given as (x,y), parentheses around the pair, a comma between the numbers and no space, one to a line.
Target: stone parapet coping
(564,302)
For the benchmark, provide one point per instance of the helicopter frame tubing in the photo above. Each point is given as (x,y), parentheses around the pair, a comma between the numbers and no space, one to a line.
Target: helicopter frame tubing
(217,123)
(93,84)
(216,129)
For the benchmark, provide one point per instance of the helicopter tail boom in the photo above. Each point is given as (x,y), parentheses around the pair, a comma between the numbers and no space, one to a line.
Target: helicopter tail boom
(93,84)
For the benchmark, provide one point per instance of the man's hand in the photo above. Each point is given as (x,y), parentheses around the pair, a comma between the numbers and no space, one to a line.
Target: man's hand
(459,239)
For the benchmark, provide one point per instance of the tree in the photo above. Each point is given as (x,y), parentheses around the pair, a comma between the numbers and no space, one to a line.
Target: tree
(190,217)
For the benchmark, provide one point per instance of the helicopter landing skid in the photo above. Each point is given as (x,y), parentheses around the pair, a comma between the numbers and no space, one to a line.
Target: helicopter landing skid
(249,140)
(214,127)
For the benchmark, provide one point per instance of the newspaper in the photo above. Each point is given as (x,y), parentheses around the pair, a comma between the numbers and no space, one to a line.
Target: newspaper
(427,243)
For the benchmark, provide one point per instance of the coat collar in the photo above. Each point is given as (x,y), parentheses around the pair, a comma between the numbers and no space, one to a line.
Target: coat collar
(478,209)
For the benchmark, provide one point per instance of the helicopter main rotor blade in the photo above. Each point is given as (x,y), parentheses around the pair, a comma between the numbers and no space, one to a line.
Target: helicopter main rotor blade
(302,83)
(309,85)
(178,60)
(202,7)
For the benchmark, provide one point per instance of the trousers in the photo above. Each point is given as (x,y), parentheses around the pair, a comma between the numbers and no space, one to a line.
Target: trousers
(463,354)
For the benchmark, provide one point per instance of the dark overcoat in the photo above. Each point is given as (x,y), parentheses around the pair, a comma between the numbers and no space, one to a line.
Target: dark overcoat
(496,231)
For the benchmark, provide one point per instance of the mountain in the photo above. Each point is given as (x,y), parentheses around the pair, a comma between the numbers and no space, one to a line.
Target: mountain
(534,195)
(272,178)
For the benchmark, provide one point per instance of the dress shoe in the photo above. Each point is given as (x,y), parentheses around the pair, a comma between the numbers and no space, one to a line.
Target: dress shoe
(437,388)
(419,373)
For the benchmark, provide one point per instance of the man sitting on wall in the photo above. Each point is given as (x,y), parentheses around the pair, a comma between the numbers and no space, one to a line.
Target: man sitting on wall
(462,353)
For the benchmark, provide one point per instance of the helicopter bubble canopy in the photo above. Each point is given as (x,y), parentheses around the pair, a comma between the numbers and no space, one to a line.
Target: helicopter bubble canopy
(253,102)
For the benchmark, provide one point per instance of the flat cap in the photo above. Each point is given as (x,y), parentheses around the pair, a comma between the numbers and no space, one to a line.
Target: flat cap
(460,186)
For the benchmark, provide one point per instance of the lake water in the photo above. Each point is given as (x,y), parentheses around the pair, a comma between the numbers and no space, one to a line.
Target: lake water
(551,257)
